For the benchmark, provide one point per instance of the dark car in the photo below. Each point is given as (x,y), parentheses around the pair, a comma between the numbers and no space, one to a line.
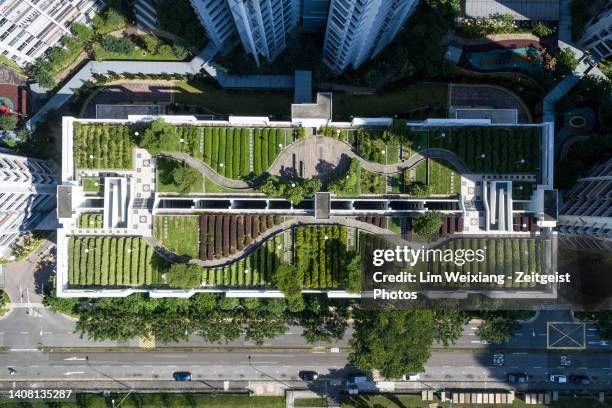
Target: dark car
(518,378)
(580,379)
(308,375)
(181,376)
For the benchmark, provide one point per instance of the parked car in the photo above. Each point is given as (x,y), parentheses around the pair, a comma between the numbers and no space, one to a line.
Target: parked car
(411,377)
(181,376)
(580,379)
(308,375)
(517,378)
(558,378)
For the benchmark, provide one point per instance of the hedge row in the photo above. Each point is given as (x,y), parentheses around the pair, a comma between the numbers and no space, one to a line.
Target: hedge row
(266,146)
(223,235)
(320,252)
(102,146)
(111,261)
(257,269)
(503,256)
(226,149)
(504,148)
(90,220)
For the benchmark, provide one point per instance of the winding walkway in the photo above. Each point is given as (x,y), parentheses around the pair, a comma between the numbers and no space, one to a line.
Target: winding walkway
(277,229)
(304,146)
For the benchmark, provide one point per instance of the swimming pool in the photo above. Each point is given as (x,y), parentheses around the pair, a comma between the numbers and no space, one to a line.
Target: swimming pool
(527,58)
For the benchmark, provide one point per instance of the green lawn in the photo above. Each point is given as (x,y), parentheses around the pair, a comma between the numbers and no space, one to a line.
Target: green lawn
(165,182)
(93,184)
(438,174)
(90,220)
(484,149)
(310,402)
(111,261)
(179,233)
(136,400)
(216,100)
(12,64)
(387,104)
(212,187)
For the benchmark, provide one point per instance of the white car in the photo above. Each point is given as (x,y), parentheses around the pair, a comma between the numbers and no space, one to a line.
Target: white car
(411,377)
(558,378)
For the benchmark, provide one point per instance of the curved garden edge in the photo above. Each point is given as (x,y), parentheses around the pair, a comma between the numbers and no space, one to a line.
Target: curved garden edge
(413,160)
(167,254)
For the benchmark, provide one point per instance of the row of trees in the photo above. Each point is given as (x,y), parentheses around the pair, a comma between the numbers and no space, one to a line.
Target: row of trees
(294,190)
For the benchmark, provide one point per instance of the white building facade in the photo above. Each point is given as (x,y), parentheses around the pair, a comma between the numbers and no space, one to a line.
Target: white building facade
(27,194)
(28,28)
(597,37)
(359,29)
(587,210)
(262,26)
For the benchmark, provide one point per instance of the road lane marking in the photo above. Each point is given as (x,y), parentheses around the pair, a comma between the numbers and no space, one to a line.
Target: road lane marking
(74,372)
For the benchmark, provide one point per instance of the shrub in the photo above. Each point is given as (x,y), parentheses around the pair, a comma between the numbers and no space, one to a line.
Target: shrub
(542,30)
(187,179)
(350,183)
(8,122)
(83,33)
(427,223)
(120,45)
(184,276)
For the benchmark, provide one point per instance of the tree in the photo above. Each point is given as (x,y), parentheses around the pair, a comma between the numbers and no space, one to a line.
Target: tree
(110,21)
(603,321)
(427,223)
(187,179)
(542,30)
(82,32)
(120,45)
(179,51)
(354,277)
(294,190)
(159,137)
(498,326)
(185,276)
(151,43)
(350,183)
(449,326)
(289,280)
(8,122)
(177,17)
(395,342)
(42,73)
(565,62)
(418,189)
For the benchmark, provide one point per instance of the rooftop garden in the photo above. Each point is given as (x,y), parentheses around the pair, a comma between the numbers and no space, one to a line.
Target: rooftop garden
(321,261)
(483,149)
(102,146)
(112,261)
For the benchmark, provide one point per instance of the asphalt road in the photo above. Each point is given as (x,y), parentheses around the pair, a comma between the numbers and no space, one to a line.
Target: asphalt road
(444,369)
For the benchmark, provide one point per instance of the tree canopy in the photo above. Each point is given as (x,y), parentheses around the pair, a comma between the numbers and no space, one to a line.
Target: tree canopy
(348,184)
(159,137)
(395,342)
(294,190)
(427,223)
(184,276)
(187,179)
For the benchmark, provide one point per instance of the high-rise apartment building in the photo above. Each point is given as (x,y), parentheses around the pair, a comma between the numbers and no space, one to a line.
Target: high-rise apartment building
(29,27)
(587,210)
(27,194)
(359,29)
(597,37)
(261,26)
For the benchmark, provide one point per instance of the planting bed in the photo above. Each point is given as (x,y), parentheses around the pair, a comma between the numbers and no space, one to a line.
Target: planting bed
(223,235)
(90,220)
(111,261)
(102,146)
(321,252)
(179,233)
